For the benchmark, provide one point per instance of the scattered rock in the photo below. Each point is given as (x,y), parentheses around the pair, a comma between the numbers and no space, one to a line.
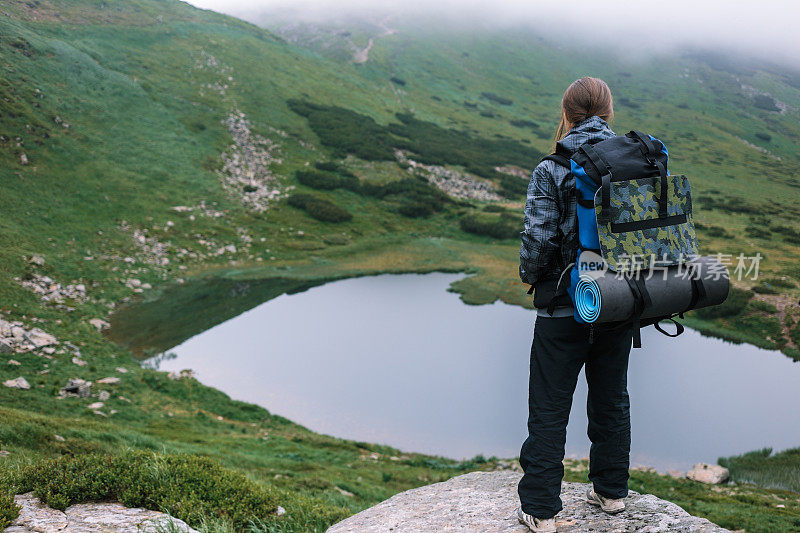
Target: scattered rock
(281,511)
(77,388)
(14,338)
(14,362)
(109,381)
(23,159)
(95,405)
(122,370)
(451,182)
(485,501)
(706,473)
(100,324)
(39,338)
(36,259)
(18,383)
(183,374)
(343,492)
(78,361)
(50,290)
(4,454)
(246,171)
(103,395)
(35,516)
(676,474)
(59,438)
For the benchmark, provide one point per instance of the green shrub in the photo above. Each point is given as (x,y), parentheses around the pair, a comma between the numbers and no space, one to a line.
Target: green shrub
(327,211)
(717,231)
(397,81)
(496,98)
(319,208)
(522,123)
(763,288)
(497,227)
(8,509)
(318,180)
(415,209)
(435,145)
(495,208)
(330,166)
(733,306)
(762,101)
(411,192)
(188,487)
(763,307)
(794,334)
(783,282)
(758,232)
(764,137)
(347,132)
(628,103)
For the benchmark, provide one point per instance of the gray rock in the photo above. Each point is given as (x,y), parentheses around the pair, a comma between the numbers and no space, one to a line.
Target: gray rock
(91,517)
(99,323)
(39,338)
(706,473)
(18,383)
(485,501)
(77,387)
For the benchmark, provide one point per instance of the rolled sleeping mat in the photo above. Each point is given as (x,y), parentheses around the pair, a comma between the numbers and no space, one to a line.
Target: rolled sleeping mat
(606,297)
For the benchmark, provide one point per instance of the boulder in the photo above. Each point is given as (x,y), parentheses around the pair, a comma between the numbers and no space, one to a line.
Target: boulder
(18,383)
(40,338)
(486,501)
(35,516)
(706,473)
(77,387)
(99,323)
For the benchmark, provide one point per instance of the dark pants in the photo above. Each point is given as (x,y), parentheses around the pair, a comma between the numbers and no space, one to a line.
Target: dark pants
(560,348)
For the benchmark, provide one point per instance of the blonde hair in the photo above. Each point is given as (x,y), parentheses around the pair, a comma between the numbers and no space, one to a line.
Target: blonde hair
(584,98)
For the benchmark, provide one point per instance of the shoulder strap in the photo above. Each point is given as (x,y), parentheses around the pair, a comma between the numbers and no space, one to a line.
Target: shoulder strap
(558,159)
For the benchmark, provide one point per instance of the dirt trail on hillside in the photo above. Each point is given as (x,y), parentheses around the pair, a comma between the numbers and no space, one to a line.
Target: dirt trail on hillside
(362,56)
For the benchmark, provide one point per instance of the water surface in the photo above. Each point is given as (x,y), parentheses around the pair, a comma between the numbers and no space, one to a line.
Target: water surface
(398,360)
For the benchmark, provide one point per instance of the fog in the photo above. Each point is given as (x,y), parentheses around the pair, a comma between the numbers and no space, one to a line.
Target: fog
(766,29)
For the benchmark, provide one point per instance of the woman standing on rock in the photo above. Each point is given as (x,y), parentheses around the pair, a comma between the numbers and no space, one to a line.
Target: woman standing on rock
(561,345)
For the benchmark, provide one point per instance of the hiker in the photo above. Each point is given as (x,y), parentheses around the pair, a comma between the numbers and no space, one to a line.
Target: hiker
(562,345)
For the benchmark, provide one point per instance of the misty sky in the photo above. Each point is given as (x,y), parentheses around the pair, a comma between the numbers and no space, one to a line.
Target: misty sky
(767,28)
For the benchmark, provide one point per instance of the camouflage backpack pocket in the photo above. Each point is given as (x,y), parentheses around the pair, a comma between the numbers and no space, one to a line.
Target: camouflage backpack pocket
(632,233)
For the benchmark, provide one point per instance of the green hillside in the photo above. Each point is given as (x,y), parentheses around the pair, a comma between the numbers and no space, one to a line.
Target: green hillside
(145,143)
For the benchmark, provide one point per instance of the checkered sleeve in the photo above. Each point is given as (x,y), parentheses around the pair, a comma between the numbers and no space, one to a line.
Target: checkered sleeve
(540,236)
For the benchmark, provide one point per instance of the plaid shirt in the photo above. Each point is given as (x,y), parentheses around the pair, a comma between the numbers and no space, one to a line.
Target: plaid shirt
(550,238)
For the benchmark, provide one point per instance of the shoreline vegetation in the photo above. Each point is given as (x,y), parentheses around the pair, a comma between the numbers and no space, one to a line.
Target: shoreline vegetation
(104,205)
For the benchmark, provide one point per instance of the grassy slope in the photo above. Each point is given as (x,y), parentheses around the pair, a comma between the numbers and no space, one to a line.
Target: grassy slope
(145,134)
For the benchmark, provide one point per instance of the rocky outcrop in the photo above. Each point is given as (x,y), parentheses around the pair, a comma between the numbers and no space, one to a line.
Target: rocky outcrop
(451,182)
(246,165)
(485,501)
(50,290)
(14,338)
(34,516)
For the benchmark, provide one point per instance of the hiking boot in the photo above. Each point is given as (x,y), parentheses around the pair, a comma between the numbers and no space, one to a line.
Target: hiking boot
(608,505)
(537,525)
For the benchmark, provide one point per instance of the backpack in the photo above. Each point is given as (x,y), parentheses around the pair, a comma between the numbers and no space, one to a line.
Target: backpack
(631,212)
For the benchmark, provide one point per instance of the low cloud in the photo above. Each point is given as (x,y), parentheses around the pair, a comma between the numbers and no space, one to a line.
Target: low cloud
(766,29)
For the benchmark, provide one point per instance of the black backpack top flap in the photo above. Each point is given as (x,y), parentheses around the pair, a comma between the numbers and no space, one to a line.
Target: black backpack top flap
(634,155)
